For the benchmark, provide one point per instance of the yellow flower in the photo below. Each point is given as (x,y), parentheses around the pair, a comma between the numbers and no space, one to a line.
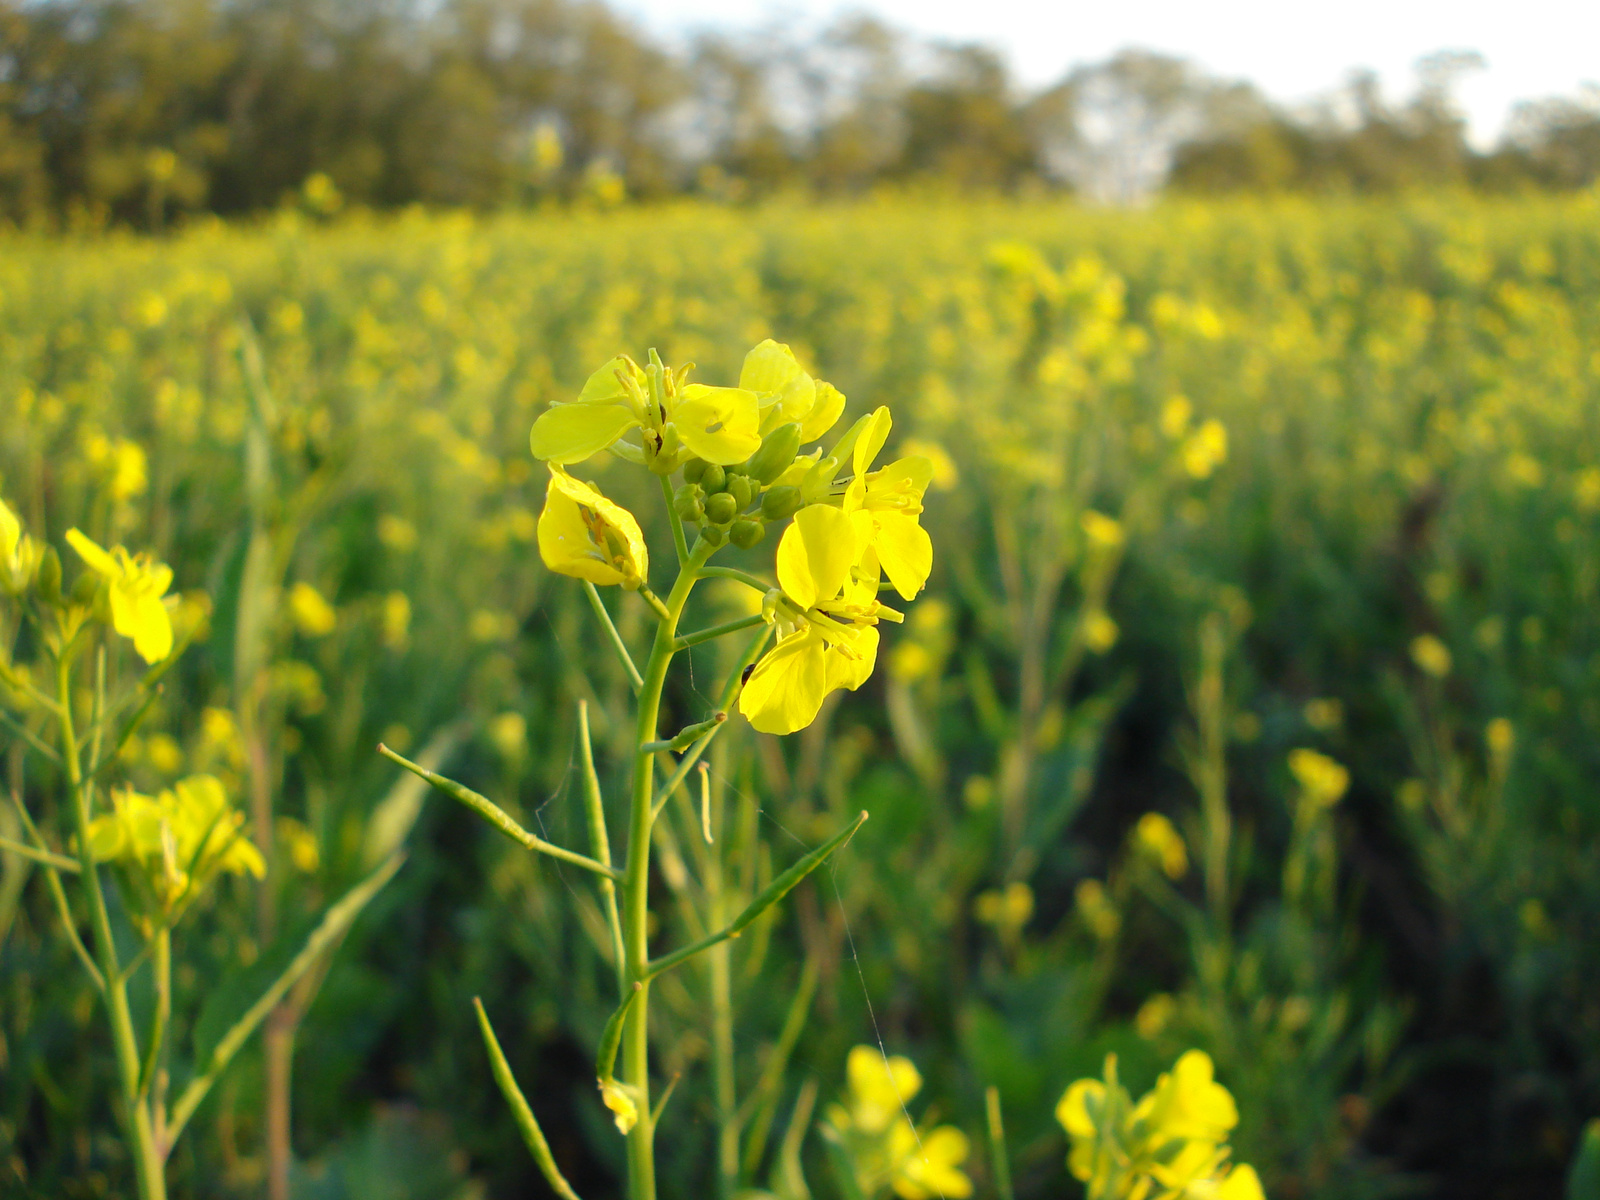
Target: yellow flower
(718,424)
(787,394)
(1097,909)
(313,616)
(619,1098)
(1187,1102)
(1321,780)
(137,585)
(187,832)
(930,1165)
(1205,450)
(584,535)
(19,554)
(827,621)
(889,502)
(1158,838)
(880,1087)
(1432,655)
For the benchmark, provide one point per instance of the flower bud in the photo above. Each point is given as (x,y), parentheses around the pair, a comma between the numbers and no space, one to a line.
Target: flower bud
(739,487)
(49,577)
(714,479)
(780,502)
(746,533)
(693,469)
(687,502)
(714,535)
(721,508)
(776,453)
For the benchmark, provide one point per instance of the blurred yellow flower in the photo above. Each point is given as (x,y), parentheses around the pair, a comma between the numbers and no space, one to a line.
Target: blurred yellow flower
(1322,780)
(137,585)
(1157,837)
(299,843)
(619,1098)
(1206,450)
(1102,531)
(1096,908)
(1431,655)
(930,1164)
(1154,1015)
(584,535)
(19,554)
(313,616)
(1100,630)
(180,837)
(395,620)
(1008,909)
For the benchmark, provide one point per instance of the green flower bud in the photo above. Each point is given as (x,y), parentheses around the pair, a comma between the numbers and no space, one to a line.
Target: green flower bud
(49,577)
(776,453)
(693,469)
(714,535)
(687,502)
(714,479)
(746,533)
(721,508)
(780,503)
(739,487)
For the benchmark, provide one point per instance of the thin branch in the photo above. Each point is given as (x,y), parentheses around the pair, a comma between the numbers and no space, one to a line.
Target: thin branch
(716,631)
(635,680)
(744,577)
(499,818)
(30,737)
(59,861)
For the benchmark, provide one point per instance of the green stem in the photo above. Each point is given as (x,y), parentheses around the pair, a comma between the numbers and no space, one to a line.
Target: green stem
(678,542)
(636,880)
(59,861)
(617,644)
(744,577)
(716,631)
(141,1136)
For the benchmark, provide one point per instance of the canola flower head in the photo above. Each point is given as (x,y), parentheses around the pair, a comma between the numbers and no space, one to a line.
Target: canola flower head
(1170,1145)
(137,585)
(180,837)
(619,1098)
(829,582)
(1322,780)
(584,535)
(929,1165)
(888,503)
(1157,837)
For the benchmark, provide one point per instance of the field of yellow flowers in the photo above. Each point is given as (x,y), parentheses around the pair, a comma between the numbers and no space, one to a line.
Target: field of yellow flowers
(1252,707)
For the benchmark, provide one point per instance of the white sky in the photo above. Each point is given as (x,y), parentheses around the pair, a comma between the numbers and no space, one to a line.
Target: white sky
(1292,51)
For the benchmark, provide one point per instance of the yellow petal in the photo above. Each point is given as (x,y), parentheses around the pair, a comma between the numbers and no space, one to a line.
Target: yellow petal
(853,668)
(603,386)
(10,531)
(92,554)
(931,1168)
(152,626)
(816,554)
(569,433)
(769,368)
(785,691)
(108,838)
(825,412)
(879,1087)
(905,551)
(618,1099)
(720,425)
(1078,1107)
(584,535)
(871,439)
(1242,1183)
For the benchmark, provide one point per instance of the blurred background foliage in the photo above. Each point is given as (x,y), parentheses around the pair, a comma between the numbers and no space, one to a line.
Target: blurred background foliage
(1275,519)
(142,111)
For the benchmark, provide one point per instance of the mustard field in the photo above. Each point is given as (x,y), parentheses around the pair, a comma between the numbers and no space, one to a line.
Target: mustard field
(1251,708)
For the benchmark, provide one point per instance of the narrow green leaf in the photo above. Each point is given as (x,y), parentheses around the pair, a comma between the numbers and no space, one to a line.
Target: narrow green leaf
(770,895)
(527,1124)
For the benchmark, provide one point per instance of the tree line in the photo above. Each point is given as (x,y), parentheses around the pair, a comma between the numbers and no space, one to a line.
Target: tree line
(140,111)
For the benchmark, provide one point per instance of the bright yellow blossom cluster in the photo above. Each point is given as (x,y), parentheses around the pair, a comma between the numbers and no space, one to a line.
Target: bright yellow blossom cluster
(1171,1145)
(884,1149)
(179,838)
(136,584)
(739,453)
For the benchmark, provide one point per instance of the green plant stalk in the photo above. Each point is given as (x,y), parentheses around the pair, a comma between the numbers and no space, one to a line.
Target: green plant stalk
(719,965)
(636,880)
(147,1155)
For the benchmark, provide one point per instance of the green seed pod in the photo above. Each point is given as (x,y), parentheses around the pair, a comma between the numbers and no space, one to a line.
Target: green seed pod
(721,508)
(49,577)
(714,535)
(776,453)
(713,479)
(739,487)
(780,502)
(687,502)
(746,533)
(693,469)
